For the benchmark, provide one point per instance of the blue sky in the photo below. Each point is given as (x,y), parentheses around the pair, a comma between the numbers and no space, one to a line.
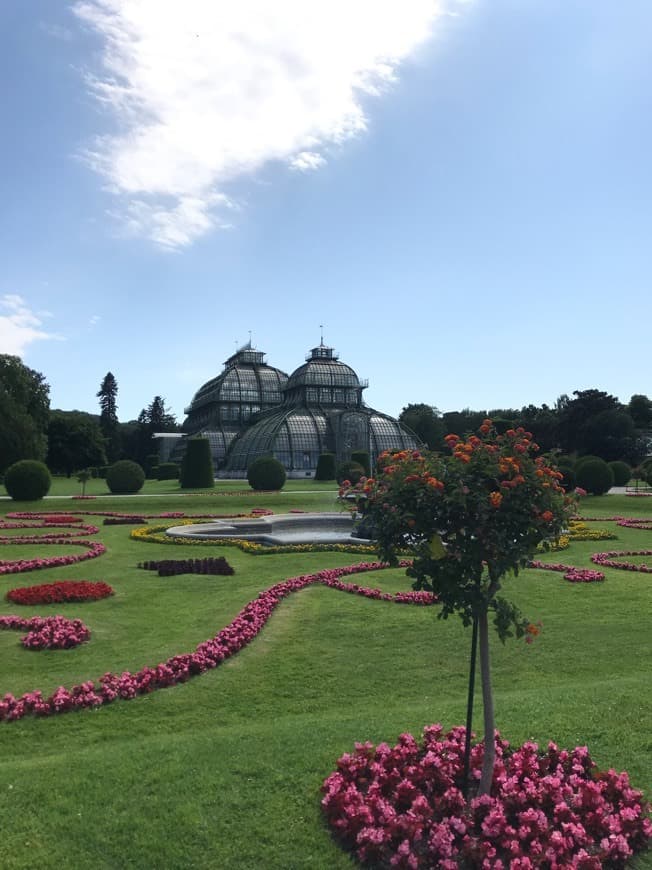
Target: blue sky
(459,191)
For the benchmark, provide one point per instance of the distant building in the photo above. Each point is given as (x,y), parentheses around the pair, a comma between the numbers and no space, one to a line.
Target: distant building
(252,409)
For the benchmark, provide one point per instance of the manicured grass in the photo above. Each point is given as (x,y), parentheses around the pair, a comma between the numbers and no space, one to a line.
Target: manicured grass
(224,771)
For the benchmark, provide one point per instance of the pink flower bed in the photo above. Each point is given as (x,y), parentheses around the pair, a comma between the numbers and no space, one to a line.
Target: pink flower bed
(403,807)
(80,530)
(63,591)
(570,572)
(607,560)
(93,550)
(209,654)
(48,632)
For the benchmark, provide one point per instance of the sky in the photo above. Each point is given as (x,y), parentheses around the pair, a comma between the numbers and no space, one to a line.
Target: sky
(455,194)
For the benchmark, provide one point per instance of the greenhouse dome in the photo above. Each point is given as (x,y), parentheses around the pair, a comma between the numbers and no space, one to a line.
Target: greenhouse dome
(322,412)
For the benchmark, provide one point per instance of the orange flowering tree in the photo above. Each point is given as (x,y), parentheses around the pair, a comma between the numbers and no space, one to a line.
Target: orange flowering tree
(468,519)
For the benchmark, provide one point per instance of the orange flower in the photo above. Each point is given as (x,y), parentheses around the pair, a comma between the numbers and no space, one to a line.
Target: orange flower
(546,516)
(495,498)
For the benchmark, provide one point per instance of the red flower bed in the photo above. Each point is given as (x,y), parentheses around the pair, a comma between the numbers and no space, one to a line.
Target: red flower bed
(80,531)
(49,632)
(403,807)
(209,654)
(64,590)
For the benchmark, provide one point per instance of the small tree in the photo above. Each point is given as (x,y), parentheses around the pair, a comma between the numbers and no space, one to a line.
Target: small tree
(83,477)
(469,519)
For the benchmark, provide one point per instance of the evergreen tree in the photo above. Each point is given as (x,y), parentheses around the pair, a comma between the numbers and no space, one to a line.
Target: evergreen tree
(107,395)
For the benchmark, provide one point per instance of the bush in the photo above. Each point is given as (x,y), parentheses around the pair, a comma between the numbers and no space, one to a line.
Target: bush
(580,462)
(197,465)
(124,477)
(27,480)
(362,458)
(325,467)
(570,478)
(622,472)
(168,471)
(151,466)
(266,473)
(595,476)
(351,471)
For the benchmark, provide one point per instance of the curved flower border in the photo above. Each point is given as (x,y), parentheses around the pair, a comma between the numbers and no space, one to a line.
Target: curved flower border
(79,530)
(606,560)
(209,654)
(570,572)
(93,550)
(48,632)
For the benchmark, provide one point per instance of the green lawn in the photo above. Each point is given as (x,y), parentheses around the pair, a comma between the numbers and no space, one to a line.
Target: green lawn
(224,771)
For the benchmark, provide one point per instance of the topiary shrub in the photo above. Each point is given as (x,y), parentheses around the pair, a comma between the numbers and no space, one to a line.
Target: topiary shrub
(168,471)
(622,472)
(197,465)
(351,471)
(266,473)
(27,480)
(595,476)
(363,459)
(580,462)
(325,467)
(151,466)
(124,477)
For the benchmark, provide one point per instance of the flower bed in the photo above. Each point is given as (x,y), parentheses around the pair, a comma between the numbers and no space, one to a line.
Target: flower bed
(578,531)
(123,521)
(157,535)
(209,654)
(93,550)
(171,567)
(403,806)
(49,632)
(63,591)
(607,560)
(80,530)
(570,572)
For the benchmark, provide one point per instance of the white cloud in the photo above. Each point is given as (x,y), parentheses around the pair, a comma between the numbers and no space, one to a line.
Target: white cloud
(19,327)
(94,320)
(206,93)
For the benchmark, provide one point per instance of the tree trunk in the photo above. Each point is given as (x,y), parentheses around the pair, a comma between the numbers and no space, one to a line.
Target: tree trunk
(488,707)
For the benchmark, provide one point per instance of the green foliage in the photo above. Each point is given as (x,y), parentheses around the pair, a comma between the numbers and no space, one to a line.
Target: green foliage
(621,471)
(425,422)
(595,476)
(325,467)
(266,472)
(569,479)
(362,458)
(640,410)
(27,480)
(151,466)
(197,465)
(107,395)
(351,471)
(24,412)
(125,476)
(75,441)
(168,471)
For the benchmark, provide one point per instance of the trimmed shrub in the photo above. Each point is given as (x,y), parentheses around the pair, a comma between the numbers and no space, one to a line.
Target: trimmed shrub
(125,477)
(266,473)
(363,459)
(325,467)
(580,462)
(622,472)
(595,476)
(27,480)
(351,471)
(197,465)
(168,471)
(151,466)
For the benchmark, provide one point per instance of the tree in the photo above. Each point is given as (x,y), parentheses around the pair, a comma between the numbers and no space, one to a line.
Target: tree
(425,422)
(464,421)
(640,410)
(75,441)
(468,520)
(576,413)
(154,418)
(610,435)
(24,412)
(107,395)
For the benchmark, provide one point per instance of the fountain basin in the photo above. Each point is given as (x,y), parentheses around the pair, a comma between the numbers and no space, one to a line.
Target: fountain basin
(313,528)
